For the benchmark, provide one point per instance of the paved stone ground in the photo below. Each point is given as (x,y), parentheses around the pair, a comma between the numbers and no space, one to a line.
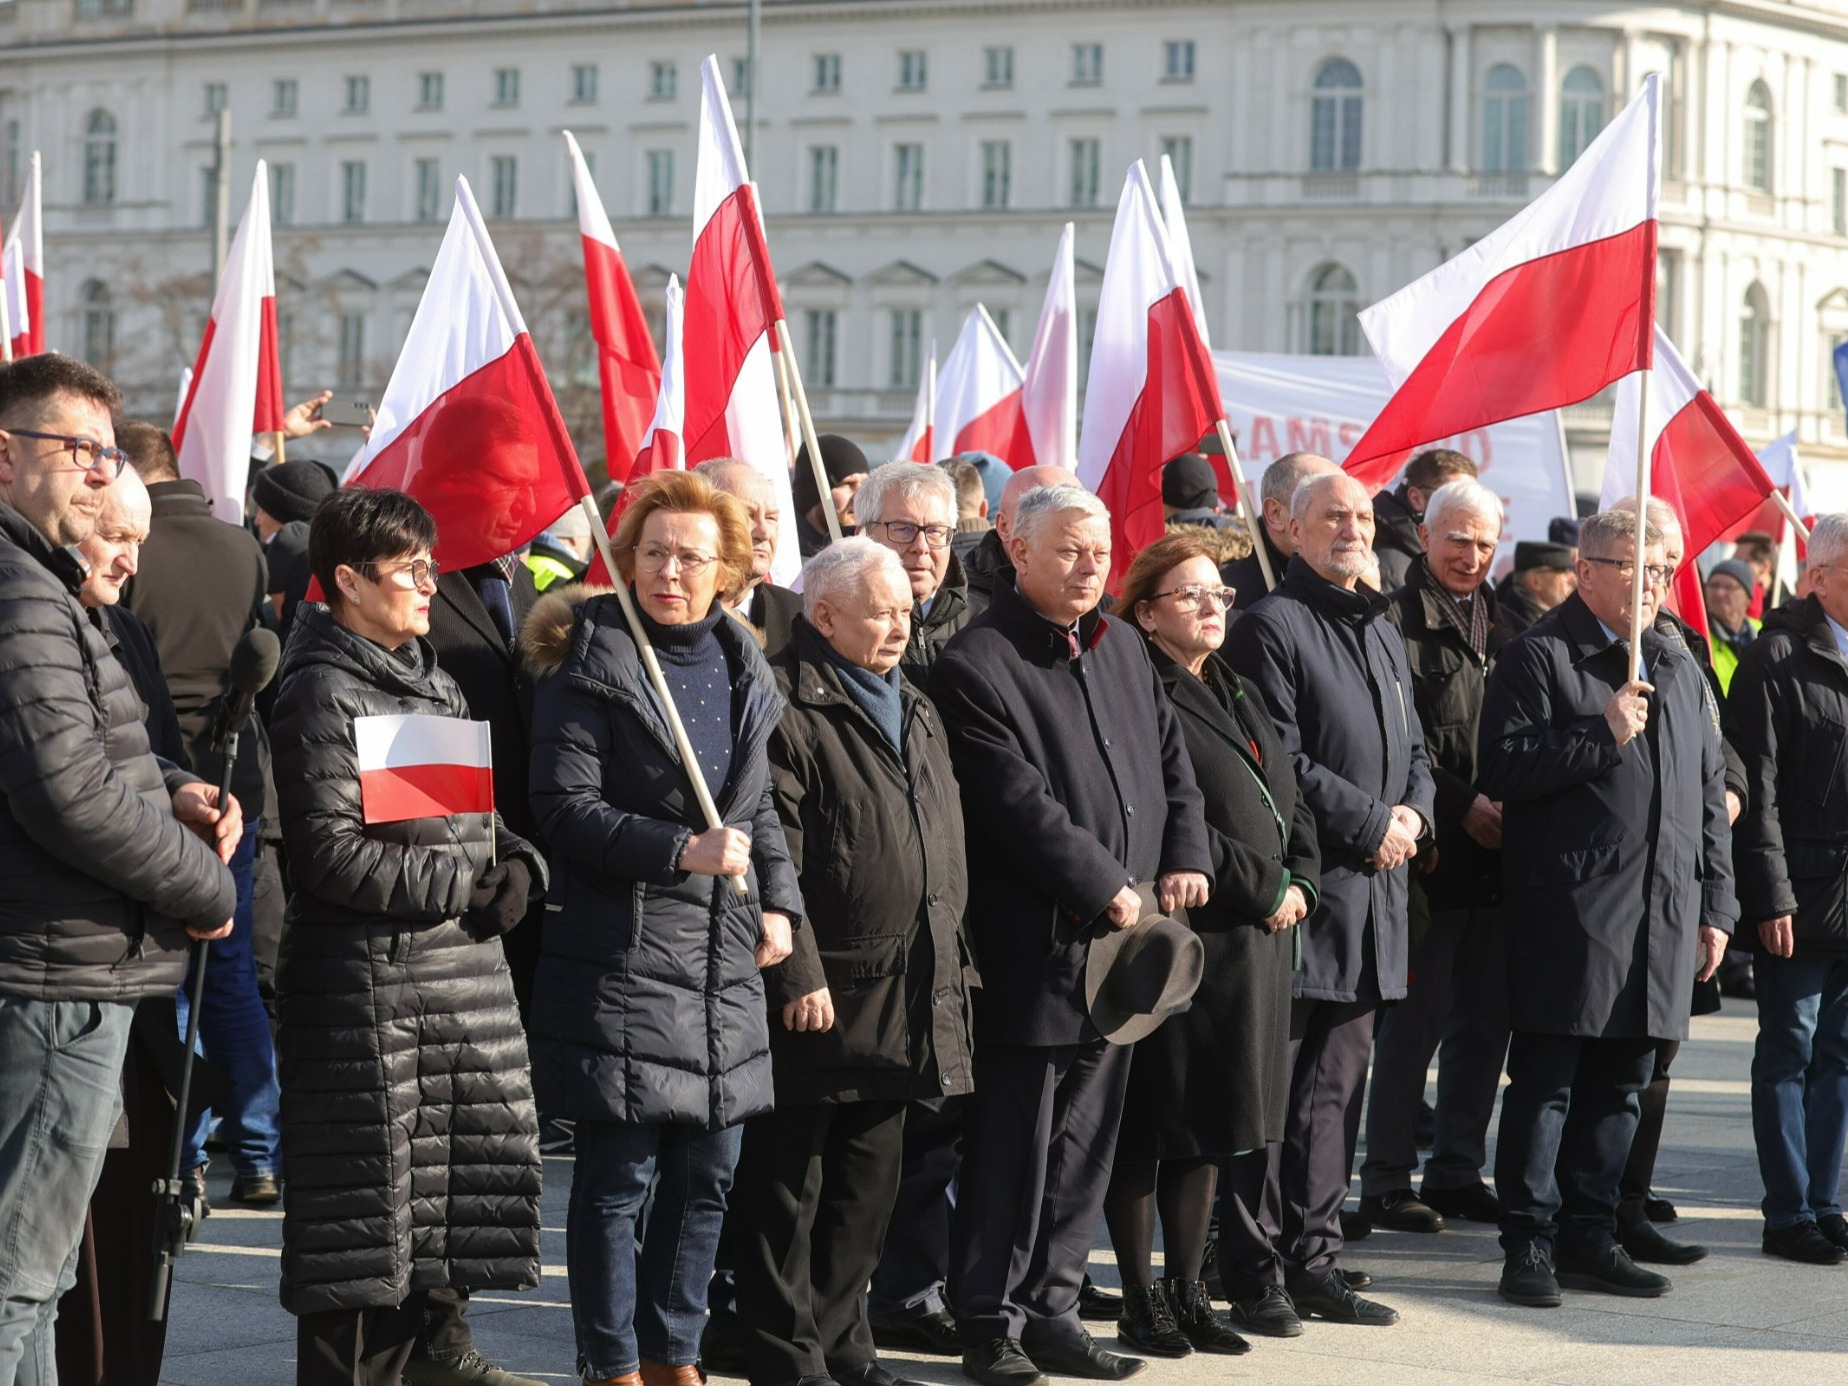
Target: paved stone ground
(1738,1317)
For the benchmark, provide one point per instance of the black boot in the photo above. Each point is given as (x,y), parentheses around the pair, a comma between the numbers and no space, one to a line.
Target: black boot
(1193,1314)
(1148,1323)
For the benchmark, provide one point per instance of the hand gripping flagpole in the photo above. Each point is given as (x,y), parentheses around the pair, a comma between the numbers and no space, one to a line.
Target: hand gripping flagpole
(689,762)
(1242,490)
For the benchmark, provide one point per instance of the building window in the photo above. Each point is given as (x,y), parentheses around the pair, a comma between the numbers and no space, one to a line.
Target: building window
(208,196)
(997,67)
(583,83)
(663,80)
(99,159)
(1754,347)
(216,97)
(823,333)
(1086,158)
(1177,60)
(907,177)
(353,191)
(997,174)
(9,164)
(429,91)
(506,86)
(1758,138)
(358,95)
(1581,113)
(913,69)
(1831,341)
(102,9)
(1334,312)
(1178,151)
(1841,92)
(1335,118)
(1504,120)
(283,98)
(660,182)
(907,349)
(827,73)
(350,366)
(741,76)
(1087,64)
(98,326)
(1838,200)
(504,171)
(282,194)
(429,190)
(824,178)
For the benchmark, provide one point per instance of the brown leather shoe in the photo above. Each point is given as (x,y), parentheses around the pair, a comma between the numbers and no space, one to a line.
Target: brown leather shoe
(626,1379)
(660,1374)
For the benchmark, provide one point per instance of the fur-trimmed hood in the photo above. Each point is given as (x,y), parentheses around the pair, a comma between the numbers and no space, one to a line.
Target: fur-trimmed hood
(545,638)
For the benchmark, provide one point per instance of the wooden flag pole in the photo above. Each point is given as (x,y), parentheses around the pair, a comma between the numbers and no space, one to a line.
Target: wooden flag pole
(824,488)
(282,450)
(792,430)
(688,761)
(1252,527)
(1640,579)
(1802,526)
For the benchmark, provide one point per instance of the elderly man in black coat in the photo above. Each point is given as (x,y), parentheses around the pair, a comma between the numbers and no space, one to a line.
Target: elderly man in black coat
(1075,786)
(770,608)
(1333,674)
(1616,857)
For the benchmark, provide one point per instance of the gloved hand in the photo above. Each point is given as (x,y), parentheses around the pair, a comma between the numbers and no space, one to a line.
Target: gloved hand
(499,899)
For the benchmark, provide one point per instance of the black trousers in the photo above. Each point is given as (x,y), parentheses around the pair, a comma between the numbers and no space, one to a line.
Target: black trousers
(1568,1121)
(806,1223)
(357,1347)
(1037,1152)
(911,1276)
(1652,1113)
(1329,1044)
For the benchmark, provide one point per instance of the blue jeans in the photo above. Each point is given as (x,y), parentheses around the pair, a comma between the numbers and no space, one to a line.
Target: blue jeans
(234,1033)
(1800,1085)
(638,1289)
(60,1094)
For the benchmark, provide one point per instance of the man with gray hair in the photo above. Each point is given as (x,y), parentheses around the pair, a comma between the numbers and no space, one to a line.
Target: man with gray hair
(1456,994)
(1076,787)
(990,562)
(1244,575)
(912,511)
(1617,863)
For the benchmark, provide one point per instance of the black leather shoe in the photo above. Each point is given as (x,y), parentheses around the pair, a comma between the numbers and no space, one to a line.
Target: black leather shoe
(1611,1272)
(1354,1226)
(1268,1313)
(1329,1297)
(1193,1314)
(1642,1242)
(1148,1323)
(1659,1209)
(1527,1278)
(868,1374)
(1803,1242)
(1473,1203)
(1357,1280)
(1000,1362)
(1099,1306)
(1081,1357)
(1835,1227)
(934,1334)
(1400,1211)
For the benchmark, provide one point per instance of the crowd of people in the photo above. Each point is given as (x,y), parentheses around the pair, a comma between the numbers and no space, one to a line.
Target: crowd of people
(870,946)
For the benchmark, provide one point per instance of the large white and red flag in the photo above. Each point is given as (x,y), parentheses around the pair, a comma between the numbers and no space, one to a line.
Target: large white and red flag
(1779,459)
(413,765)
(732,307)
(1152,391)
(920,441)
(235,388)
(628,369)
(22,267)
(1049,387)
(468,424)
(1543,312)
(978,395)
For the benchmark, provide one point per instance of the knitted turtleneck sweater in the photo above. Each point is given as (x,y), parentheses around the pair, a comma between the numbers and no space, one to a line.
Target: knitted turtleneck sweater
(701,678)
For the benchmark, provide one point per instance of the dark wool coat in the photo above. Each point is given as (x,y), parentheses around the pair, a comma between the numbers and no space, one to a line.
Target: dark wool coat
(1214,1079)
(648,1003)
(132,645)
(949,612)
(982,569)
(1788,712)
(773,610)
(1334,677)
(410,1144)
(97,877)
(877,842)
(1613,857)
(1246,577)
(1075,783)
(493,680)
(1395,538)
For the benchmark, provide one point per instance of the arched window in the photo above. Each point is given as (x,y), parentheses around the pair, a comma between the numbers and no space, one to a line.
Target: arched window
(1334,125)
(1334,312)
(1504,120)
(1754,347)
(99,159)
(98,326)
(1581,113)
(1758,138)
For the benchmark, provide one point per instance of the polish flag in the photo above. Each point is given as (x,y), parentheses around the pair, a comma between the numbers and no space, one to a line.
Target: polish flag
(1698,463)
(662,447)
(978,395)
(468,424)
(235,388)
(627,367)
(1544,312)
(412,765)
(732,306)
(1779,459)
(1049,389)
(920,441)
(1152,391)
(1174,217)
(22,263)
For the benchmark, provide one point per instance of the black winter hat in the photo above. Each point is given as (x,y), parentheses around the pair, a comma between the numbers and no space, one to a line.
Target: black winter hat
(1190,483)
(840,459)
(292,490)
(1531,553)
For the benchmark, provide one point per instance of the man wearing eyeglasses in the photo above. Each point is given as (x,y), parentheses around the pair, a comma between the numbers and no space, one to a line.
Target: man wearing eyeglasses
(1617,869)
(110,858)
(911,510)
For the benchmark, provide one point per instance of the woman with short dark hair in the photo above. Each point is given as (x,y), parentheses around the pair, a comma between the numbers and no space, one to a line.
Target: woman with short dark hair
(410,1143)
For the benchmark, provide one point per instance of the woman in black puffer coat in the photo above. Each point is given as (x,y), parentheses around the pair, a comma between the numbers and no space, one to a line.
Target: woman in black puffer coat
(410,1142)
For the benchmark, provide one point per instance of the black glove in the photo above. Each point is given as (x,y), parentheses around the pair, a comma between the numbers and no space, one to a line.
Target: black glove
(498,901)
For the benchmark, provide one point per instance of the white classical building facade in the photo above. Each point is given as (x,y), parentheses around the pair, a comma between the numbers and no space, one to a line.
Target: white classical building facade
(916,156)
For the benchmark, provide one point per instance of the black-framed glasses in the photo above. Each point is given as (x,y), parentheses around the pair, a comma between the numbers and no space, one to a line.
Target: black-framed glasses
(87,453)
(904,533)
(1661,574)
(1193,595)
(419,570)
